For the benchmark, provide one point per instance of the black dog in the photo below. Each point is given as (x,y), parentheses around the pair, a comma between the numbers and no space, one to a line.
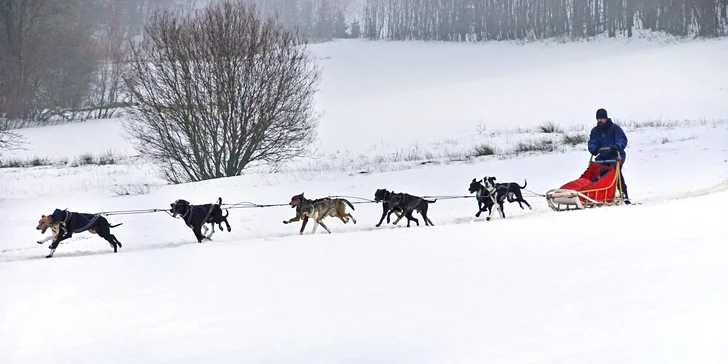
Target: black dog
(196,216)
(75,222)
(384,196)
(488,195)
(512,190)
(407,203)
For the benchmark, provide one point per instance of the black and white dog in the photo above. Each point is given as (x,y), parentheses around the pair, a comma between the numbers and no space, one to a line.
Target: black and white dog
(196,216)
(488,195)
(513,191)
(76,222)
(405,204)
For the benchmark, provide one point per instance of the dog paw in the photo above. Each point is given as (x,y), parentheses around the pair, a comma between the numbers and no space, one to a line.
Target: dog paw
(285,222)
(487,218)
(39,242)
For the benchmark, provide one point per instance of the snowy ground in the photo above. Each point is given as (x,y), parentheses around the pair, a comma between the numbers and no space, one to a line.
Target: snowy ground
(537,290)
(625,284)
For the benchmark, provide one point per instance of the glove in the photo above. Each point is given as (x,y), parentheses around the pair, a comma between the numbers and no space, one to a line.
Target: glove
(594,152)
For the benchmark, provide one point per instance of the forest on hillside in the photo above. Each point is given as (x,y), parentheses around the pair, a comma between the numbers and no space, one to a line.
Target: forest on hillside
(483,20)
(65,58)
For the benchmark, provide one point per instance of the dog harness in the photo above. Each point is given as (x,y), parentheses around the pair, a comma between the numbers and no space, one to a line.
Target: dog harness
(491,192)
(188,216)
(85,227)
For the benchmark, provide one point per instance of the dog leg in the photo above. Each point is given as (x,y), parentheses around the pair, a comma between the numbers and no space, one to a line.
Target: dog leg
(118,243)
(409,217)
(399,217)
(322,225)
(427,220)
(53,246)
(315,225)
(303,225)
(490,215)
(384,213)
(351,217)
(485,208)
(213,231)
(198,233)
(527,204)
(45,239)
(111,239)
(293,219)
(501,210)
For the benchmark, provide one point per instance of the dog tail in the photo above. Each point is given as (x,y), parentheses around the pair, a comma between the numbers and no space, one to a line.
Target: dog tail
(227,212)
(348,203)
(219,200)
(119,224)
(525,183)
(433,201)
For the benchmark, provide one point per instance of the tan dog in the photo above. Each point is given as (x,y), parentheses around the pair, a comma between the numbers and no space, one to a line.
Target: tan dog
(319,209)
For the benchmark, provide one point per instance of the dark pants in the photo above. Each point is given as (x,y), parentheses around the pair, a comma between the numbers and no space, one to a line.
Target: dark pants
(624,184)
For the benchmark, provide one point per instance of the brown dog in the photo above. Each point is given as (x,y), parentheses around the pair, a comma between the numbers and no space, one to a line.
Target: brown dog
(318,209)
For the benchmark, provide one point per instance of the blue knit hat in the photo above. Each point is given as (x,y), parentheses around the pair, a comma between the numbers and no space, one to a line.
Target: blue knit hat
(601,114)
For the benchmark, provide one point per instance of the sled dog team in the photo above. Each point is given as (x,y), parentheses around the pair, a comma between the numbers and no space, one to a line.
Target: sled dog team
(488,193)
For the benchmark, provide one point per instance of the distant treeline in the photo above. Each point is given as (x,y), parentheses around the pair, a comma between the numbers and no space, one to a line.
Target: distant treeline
(481,20)
(316,20)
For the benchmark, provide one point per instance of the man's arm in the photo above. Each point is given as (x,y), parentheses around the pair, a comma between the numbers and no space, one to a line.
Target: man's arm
(619,137)
(593,143)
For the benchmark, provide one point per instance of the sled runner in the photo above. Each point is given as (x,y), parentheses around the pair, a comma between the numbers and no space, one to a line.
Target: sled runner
(596,187)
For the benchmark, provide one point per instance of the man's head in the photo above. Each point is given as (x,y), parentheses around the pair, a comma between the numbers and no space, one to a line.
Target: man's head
(602,116)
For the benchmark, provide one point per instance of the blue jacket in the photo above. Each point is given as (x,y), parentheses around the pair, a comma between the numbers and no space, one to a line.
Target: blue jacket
(607,135)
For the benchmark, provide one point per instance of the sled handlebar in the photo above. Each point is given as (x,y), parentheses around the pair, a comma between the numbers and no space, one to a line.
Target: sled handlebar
(607,149)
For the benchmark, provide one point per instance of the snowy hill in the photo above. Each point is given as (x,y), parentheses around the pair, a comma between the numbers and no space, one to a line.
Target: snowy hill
(628,284)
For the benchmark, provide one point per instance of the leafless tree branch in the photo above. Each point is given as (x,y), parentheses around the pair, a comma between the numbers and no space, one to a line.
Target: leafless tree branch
(219,90)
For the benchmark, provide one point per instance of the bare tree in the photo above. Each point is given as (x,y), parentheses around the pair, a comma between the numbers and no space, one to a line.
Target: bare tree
(46,58)
(112,51)
(219,90)
(8,139)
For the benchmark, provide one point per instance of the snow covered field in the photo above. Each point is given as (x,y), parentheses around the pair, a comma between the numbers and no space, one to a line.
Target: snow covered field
(631,284)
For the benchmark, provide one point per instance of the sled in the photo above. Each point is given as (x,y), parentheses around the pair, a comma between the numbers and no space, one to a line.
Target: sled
(596,187)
